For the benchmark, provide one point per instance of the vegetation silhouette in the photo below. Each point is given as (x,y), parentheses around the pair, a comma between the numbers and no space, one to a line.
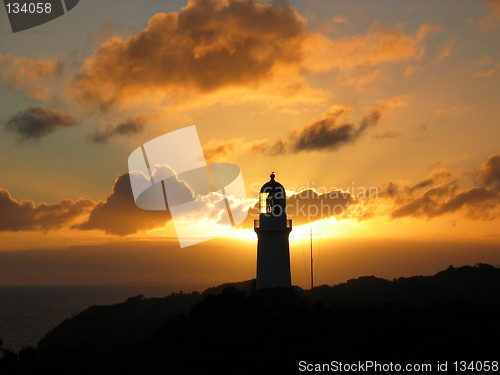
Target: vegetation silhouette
(236,329)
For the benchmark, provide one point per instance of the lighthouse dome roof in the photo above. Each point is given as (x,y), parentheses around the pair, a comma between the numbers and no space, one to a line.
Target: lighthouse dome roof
(272,186)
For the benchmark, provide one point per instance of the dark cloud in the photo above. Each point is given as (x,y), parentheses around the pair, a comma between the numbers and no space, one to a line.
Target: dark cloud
(127,128)
(422,184)
(428,204)
(327,134)
(26,215)
(119,214)
(477,199)
(489,172)
(439,194)
(434,177)
(37,122)
(214,152)
(478,203)
(390,190)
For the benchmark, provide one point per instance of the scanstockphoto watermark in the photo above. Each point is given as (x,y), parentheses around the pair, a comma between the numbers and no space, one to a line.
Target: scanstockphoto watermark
(313,202)
(369,367)
(377,367)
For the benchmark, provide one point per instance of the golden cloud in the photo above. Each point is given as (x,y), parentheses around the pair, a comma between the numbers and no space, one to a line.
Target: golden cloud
(30,76)
(380,45)
(209,45)
(489,172)
(439,194)
(250,49)
(26,215)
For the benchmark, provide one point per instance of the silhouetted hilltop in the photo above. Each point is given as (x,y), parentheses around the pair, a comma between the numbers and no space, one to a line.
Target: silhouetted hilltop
(478,283)
(235,329)
(246,286)
(104,327)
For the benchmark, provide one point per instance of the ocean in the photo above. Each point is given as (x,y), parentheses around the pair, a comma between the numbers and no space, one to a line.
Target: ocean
(27,313)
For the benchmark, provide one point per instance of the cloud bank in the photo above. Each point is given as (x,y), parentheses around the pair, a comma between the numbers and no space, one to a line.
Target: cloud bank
(436,195)
(26,215)
(439,194)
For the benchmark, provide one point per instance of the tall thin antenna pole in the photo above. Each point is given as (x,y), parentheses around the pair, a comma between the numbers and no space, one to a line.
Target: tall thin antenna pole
(312,277)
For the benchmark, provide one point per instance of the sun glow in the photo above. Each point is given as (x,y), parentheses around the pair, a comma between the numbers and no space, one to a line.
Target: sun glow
(326,228)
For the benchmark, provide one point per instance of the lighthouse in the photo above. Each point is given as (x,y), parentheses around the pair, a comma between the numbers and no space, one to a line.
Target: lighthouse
(273,228)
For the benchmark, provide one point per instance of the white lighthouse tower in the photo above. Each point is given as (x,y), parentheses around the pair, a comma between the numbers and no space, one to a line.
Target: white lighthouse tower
(273,228)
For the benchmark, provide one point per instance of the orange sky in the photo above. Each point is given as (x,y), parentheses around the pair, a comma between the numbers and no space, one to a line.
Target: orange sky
(333,96)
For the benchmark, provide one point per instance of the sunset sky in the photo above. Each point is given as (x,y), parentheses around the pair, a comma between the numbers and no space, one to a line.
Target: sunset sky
(399,97)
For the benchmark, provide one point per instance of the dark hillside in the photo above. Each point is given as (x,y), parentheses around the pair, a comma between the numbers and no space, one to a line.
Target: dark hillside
(235,329)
